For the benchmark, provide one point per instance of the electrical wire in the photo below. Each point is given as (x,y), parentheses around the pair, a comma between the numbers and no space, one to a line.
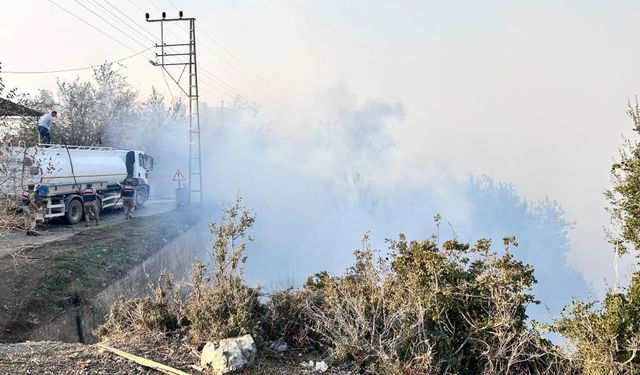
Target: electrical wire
(230,91)
(246,79)
(209,79)
(109,23)
(257,77)
(74,69)
(215,63)
(92,26)
(153,41)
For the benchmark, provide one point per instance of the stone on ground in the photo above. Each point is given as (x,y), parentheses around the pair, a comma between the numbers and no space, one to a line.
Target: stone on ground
(229,356)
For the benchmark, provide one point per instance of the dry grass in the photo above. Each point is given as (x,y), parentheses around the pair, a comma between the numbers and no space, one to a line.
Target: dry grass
(153,316)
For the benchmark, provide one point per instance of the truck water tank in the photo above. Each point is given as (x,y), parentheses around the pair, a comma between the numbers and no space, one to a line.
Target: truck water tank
(62,166)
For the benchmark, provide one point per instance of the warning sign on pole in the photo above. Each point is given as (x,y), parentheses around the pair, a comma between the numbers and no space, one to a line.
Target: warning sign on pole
(178,177)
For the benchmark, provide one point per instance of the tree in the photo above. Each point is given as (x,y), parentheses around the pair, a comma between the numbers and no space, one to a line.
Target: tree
(606,334)
(624,194)
(116,108)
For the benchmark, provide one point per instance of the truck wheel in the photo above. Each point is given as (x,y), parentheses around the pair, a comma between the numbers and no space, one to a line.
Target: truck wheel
(75,210)
(141,197)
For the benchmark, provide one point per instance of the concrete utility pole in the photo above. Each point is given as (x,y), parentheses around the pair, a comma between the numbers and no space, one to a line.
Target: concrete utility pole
(172,59)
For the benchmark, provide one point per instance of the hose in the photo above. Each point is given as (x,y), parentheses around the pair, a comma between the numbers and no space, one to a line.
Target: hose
(73,173)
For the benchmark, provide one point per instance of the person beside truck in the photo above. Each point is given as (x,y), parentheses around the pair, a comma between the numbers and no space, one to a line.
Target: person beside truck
(90,205)
(31,208)
(128,198)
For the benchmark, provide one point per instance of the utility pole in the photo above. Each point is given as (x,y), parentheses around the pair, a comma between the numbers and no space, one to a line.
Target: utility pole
(191,91)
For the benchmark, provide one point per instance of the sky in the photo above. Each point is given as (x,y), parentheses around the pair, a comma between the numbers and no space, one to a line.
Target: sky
(530,94)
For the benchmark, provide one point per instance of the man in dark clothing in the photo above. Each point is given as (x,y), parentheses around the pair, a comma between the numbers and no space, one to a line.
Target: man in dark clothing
(90,205)
(128,198)
(31,208)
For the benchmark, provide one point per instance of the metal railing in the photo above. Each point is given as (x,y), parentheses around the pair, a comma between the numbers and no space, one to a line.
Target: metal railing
(71,147)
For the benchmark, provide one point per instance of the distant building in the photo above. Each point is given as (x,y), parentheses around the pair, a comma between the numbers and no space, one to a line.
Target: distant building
(11,114)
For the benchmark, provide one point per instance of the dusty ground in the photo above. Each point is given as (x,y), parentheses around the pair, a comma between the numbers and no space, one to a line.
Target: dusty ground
(58,358)
(39,282)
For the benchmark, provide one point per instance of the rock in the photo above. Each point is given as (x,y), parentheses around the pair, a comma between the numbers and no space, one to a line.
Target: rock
(316,366)
(279,346)
(307,364)
(321,366)
(229,356)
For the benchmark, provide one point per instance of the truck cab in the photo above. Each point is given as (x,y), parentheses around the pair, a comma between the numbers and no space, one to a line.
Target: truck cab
(138,165)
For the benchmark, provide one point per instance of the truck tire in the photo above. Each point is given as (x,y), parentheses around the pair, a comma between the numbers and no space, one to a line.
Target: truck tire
(141,197)
(74,211)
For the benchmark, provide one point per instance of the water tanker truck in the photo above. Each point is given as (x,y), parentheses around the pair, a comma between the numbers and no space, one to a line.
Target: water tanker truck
(60,172)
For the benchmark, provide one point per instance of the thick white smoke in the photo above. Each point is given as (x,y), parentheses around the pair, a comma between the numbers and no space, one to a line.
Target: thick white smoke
(319,184)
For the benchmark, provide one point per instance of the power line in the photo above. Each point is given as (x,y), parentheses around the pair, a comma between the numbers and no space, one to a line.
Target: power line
(242,77)
(204,71)
(123,22)
(112,25)
(93,27)
(131,19)
(74,69)
(229,53)
(222,59)
(208,76)
(127,24)
(224,88)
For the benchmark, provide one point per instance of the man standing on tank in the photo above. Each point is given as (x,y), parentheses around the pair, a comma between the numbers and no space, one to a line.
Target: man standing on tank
(44,125)
(90,205)
(128,198)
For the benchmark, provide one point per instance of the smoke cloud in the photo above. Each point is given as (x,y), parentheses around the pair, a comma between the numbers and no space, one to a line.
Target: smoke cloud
(319,184)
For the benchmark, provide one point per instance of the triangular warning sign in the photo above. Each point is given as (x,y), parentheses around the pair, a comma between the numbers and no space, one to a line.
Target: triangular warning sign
(178,176)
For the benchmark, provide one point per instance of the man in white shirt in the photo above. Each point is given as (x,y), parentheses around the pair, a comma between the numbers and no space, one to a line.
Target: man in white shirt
(44,124)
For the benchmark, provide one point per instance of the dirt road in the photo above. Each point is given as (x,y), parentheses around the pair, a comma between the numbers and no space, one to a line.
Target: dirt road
(58,229)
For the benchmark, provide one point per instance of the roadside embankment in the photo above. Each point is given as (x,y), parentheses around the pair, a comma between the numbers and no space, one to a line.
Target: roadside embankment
(62,289)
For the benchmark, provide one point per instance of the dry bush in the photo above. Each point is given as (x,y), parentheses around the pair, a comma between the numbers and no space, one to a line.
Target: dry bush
(218,306)
(359,319)
(427,309)
(224,308)
(153,316)
(421,309)
(286,319)
(224,305)
(11,213)
(12,216)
